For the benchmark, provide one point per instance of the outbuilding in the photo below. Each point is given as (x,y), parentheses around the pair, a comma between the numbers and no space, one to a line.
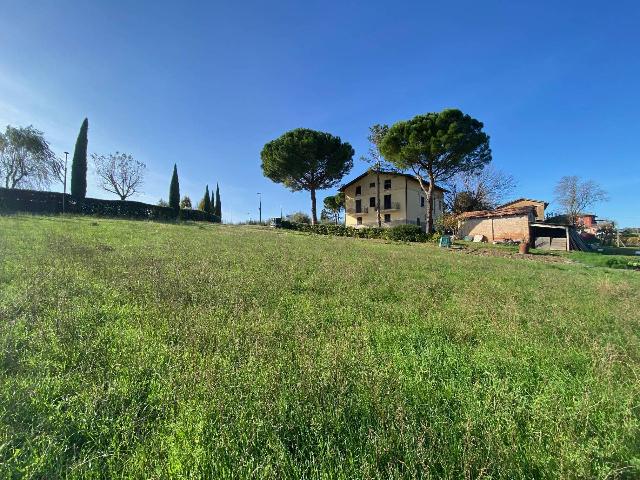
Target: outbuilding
(518,224)
(507,223)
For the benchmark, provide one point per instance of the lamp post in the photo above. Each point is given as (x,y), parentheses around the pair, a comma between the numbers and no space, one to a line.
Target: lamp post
(64,195)
(260,205)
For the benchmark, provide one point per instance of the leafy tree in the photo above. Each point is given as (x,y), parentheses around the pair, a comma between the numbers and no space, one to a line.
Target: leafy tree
(79,163)
(174,190)
(299,217)
(333,206)
(185,203)
(326,216)
(607,233)
(447,223)
(218,206)
(162,203)
(119,173)
(26,159)
(575,196)
(304,159)
(205,203)
(466,201)
(377,160)
(438,145)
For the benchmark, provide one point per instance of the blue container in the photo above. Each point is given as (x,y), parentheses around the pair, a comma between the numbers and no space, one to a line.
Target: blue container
(445,241)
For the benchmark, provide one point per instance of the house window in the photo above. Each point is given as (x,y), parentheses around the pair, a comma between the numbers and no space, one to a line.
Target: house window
(387,184)
(372,201)
(372,185)
(422,201)
(359,190)
(418,221)
(387,218)
(359,220)
(358,206)
(387,202)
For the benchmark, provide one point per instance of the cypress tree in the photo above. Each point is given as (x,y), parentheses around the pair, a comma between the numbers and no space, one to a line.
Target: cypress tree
(207,200)
(79,163)
(218,205)
(174,190)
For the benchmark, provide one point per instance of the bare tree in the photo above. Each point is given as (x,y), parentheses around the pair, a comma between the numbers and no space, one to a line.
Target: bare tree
(482,190)
(575,196)
(26,160)
(119,173)
(58,169)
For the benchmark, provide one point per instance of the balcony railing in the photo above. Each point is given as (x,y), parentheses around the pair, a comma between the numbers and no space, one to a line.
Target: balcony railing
(391,206)
(352,210)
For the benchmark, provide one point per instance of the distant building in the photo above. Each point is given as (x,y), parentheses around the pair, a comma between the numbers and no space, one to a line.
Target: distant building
(587,224)
(398,195)
(587,220)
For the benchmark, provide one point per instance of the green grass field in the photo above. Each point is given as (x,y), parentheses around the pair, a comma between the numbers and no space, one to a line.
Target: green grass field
(149,350)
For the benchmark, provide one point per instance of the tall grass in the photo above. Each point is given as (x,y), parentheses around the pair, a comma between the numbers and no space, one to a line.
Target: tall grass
(146,350)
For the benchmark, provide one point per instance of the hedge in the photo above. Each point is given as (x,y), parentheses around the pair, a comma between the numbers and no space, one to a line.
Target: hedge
(404,233)
(34,201)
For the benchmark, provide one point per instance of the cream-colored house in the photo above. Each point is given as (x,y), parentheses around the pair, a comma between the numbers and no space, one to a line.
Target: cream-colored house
(399,196)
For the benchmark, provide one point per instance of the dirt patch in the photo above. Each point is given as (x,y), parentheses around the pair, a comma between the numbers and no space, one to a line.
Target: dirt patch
(495,252)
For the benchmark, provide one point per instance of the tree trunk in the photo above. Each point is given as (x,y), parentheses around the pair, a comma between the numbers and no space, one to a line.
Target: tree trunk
(314,217)
(429,193)
(378,195)
(430,203)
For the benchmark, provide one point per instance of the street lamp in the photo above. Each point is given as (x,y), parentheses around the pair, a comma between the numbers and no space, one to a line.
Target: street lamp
(260,205)
(66,155)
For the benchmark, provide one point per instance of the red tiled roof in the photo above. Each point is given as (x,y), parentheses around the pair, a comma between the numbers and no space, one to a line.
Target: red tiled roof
(546,204)
(499,212)
(384,172)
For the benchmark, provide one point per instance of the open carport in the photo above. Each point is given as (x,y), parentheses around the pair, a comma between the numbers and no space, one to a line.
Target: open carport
(547,236)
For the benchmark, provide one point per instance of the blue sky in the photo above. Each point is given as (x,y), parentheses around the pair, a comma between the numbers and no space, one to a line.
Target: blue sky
(206,84)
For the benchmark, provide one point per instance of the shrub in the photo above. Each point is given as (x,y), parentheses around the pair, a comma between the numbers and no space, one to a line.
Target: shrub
(618,263)
(32,201)
(299,217)
(344,231)
(407,233)
(434,237)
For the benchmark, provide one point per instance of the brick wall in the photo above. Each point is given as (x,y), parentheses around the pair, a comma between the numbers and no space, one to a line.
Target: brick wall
(498,228)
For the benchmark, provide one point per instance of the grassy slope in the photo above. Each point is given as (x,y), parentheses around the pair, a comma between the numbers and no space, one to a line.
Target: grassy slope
(153,350)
